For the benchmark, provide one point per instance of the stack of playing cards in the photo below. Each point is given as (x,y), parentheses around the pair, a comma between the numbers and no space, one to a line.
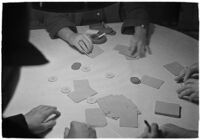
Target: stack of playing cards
(118,106)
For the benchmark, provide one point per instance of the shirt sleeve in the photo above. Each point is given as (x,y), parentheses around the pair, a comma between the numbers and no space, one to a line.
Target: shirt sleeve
(16,127)
(133,14)
(56,21)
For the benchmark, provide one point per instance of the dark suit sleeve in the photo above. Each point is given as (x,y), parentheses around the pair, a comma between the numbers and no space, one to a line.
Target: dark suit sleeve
(16,127)
(133,14)
(56,21)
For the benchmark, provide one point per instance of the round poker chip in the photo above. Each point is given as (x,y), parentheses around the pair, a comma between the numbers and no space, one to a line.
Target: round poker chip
(76,66)
(91,100)
(65,90)
(85,69)
(96,40)
(135,80)
(52,79)
(110,75)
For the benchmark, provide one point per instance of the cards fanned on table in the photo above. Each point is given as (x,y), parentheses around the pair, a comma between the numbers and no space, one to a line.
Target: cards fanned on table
(175,68)
(168,109)
(151,81)
(95,117)
(82,91)
(118,106)
(124,50)
(95,52)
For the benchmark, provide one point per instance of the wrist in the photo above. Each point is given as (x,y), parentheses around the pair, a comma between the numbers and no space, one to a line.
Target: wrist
(140,30)
(66,34)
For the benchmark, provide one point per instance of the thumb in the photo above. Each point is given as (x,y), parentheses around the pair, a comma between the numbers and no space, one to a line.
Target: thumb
(49,124)
(66,133)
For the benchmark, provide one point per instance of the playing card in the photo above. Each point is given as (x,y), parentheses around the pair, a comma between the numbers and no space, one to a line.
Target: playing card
(167,109)
(152,82)
(82,90)
(129,119)
(95,117)
(95,52)
(174,68)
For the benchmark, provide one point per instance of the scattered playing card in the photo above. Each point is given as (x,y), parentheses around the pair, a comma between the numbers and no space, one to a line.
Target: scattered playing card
(174,68)
(151,81)
(95,117)
(95,52)
(82,91)
(124,50)
(168,109)
(129,119)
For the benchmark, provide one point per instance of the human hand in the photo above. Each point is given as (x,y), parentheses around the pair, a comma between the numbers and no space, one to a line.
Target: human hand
(79,130)
(36,118)
(82,42)
(190,90)
(187,73)
(152,132)
(173,131)
(138,43)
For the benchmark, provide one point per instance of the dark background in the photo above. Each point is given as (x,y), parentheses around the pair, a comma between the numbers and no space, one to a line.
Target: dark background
(179,16)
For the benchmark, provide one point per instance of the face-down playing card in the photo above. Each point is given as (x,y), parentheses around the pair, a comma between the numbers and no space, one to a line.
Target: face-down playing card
(168,109)
(82,90)
(151,81)
(124,50)
(175,68)
(95,52)
(95,117)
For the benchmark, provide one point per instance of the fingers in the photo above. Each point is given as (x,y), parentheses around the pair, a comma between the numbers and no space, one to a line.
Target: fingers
(49,124)
(180,77)
(194,97)
(92,132)
(186,92)
(66,132)
(133,49)
(190,81)
(83,43)
(148,49)
(187,74)
(51,110)
(138,48)
(182,89)
(155,130)
(154,133)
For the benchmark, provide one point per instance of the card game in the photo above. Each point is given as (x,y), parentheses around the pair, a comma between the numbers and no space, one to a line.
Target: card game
(82,70)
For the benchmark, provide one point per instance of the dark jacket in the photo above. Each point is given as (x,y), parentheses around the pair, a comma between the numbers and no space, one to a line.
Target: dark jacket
(132,14)
(16,127)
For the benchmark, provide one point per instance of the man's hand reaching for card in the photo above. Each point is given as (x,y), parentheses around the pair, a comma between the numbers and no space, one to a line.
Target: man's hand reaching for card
(138,43)
(188,72)
(36,118)
(79,130)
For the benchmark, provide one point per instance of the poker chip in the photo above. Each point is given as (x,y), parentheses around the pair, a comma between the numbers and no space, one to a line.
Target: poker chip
(110,75)
(135,80)
(91,100)
(65,90)
(52,79)
(76,66)
(85,69)
(96,40)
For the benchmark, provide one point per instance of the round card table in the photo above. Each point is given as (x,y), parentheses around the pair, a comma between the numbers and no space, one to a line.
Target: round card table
(166,46)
